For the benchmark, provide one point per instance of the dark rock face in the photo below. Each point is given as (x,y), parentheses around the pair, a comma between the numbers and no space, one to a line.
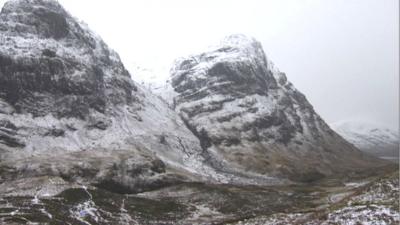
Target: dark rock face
(118,171)
(68,108)
(8,133)
(246,113)
(55,132)
(66,73)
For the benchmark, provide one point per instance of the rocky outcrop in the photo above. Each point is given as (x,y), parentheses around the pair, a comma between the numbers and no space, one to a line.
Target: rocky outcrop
(250,119)
(70,109)
(119,171)
(50,63)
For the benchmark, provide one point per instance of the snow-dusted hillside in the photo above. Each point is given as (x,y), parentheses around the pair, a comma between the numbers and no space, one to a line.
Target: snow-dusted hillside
(370,137)
(154,78)
(69,108)
(251,119)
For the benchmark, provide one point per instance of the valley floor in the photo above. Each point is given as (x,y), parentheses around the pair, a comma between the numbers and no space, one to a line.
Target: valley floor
(368,200)
(374,203)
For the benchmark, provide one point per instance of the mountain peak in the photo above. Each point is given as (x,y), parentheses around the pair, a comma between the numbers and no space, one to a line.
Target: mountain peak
(66,100)
(21,5)
(77,72)
(239,40)
(243,110)
(43,18)
(241,44)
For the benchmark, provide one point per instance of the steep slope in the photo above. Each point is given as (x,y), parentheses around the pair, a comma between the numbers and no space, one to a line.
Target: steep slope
(375,139)
(250,119)
(69,108)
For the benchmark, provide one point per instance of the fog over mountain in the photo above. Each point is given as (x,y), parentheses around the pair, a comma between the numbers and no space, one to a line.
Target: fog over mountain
(374,139)
(315,42)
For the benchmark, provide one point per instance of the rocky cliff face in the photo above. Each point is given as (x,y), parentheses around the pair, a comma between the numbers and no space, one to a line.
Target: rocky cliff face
(69,108)
(52,64)
(249,117)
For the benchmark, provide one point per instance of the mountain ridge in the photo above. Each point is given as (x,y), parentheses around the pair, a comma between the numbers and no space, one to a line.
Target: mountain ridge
(373,138)
(243,109)
(67,97)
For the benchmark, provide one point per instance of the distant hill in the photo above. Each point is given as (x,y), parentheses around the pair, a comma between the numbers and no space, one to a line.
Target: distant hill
(375,139)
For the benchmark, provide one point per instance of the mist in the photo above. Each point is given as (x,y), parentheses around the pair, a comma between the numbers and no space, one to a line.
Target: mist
(343,55)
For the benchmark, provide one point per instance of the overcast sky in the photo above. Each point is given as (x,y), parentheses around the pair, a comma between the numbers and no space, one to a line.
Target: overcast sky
(342,54)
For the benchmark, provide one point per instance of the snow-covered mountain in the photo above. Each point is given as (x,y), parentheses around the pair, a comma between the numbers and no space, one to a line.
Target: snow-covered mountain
(154,78)
(373,138)
(69,108)
(251,119)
